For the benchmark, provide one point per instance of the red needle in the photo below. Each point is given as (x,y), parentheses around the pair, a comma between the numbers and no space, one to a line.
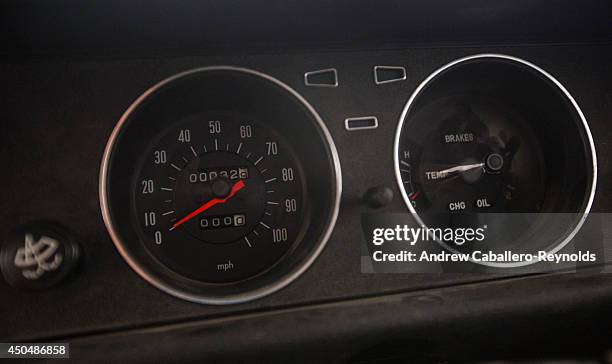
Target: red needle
(215,201)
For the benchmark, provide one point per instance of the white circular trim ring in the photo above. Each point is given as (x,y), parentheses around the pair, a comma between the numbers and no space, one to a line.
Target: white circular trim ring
(416,93)
(245,296)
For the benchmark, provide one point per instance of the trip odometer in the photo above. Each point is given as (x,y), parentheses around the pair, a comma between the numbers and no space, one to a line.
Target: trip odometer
(220,185)
(214,189)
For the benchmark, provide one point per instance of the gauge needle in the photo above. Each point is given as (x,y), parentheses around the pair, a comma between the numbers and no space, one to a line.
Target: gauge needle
(440,175)
(463,168)
(205,206)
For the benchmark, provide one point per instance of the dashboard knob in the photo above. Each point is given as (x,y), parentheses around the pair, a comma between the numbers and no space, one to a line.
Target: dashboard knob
(38,255)
(378,196)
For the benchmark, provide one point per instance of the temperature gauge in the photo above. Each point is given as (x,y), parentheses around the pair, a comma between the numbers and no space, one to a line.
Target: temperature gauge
(494,141)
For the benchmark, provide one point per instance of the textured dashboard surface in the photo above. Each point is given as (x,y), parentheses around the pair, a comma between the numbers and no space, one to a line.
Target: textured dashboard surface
(57,115)
(154,26)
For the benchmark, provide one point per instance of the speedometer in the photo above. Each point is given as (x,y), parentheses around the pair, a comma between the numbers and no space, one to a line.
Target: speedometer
(220,185)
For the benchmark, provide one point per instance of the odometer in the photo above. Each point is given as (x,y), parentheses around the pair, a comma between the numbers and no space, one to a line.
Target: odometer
(220,185)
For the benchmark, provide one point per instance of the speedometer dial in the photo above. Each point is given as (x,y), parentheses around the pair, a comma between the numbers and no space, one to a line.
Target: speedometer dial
(220,185)
(224,186)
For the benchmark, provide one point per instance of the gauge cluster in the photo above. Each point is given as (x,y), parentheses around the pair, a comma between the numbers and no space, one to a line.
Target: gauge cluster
(207,186)
(221,184)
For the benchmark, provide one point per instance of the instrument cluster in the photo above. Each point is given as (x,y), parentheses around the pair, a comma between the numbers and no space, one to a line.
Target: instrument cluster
(222,184)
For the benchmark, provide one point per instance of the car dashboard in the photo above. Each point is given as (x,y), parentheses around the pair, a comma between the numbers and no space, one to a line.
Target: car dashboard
(211,174)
